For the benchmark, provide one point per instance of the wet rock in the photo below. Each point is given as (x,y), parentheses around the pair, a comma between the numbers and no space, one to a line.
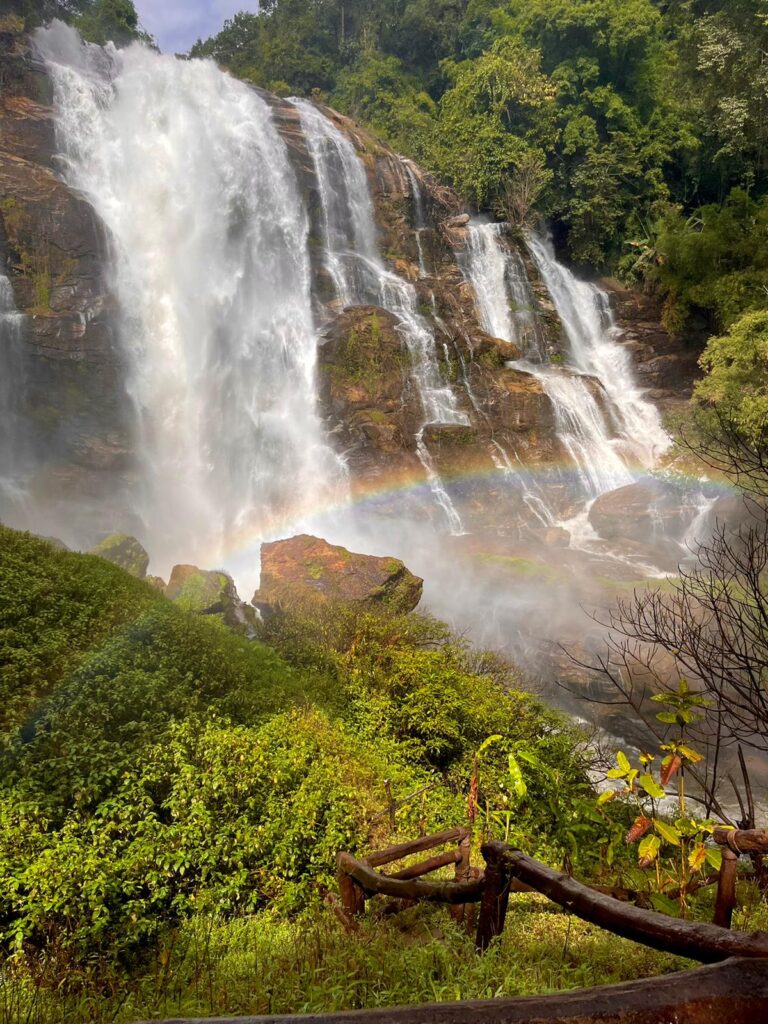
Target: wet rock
(125,551)
(639,512)
(54,250)
(306,567)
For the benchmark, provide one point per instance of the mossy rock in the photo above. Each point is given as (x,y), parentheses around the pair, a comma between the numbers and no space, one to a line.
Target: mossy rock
(210,592)
(306,567)
(125,551)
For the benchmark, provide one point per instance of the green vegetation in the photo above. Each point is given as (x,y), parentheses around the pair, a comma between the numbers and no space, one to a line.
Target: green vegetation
(255,965)
(158,768)
(98,21)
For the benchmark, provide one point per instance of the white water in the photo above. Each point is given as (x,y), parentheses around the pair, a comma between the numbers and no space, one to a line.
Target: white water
(12,484)
(505,301)
(419,218)
(597,377)
(211,270)
(361,277)
(585,312)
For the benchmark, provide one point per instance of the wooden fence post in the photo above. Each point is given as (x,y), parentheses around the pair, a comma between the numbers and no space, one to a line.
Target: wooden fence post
(493,906)
(352,896)
(726,889)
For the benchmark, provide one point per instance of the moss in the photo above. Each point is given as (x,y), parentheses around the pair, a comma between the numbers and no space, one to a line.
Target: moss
(125,551)
(377,416)
(314,570)
(524,568)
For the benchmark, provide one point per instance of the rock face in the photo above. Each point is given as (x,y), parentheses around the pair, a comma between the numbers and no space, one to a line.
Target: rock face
(124,551)
(307,567)
(77,416)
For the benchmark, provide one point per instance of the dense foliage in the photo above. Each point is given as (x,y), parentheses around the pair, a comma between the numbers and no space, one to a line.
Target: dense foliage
(156,764)
(620,118)
(98,21)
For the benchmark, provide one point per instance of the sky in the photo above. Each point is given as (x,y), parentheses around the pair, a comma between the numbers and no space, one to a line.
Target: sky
(177,24)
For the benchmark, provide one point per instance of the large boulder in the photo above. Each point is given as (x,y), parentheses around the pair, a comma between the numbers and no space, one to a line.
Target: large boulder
(307,567)
(642,512)
(125,551)
(210,592)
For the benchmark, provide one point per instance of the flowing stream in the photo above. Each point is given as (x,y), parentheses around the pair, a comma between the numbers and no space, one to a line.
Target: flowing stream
(602,420)
(361,277)
(211,270)
(12,440)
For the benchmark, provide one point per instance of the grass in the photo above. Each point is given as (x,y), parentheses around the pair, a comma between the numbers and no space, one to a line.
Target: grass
(260,965)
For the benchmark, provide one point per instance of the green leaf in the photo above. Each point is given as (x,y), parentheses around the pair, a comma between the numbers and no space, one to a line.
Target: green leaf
(516,777)
(487,742)
(651,787)
(623,761)
(649,848)
(664,904)
(690,754)
(615,773)
(668,717)
(714,856)
(606,796)
(667,832)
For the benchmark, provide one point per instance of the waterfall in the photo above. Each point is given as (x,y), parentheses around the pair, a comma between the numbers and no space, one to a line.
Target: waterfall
(597,377)
(361,277)
(12,439)
(505,302)
(419,217)
(585,313)
(211,272)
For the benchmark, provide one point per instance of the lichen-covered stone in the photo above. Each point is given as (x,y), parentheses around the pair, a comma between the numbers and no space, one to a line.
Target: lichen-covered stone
(125,551)
(306,567)
(210,592)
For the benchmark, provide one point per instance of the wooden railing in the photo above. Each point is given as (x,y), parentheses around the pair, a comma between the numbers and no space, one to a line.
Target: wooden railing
(734,842)
(735,989)
(508,870)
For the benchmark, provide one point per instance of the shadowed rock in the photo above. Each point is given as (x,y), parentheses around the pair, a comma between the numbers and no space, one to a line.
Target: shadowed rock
(125,551)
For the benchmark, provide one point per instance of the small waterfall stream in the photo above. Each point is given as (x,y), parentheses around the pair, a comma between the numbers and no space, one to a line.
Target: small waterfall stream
(211,270)
(361,277)
(505,302)
(585,312)
(602,420)
(419,216)
(12,439)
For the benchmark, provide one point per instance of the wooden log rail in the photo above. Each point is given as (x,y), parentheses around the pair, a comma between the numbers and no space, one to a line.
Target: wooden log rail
(733,992)
(708,943)
(734,842)
(359,881)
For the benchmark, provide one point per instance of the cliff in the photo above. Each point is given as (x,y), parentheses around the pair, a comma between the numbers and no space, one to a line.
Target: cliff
(53,248)
(74,406)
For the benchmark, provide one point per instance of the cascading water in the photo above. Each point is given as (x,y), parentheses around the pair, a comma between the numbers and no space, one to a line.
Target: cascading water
(585,313)
(12,440)
(602,459)
(419,218)
(211,270)
(361,277)
(505,301)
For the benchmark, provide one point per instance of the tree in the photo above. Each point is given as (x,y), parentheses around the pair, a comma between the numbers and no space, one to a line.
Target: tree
(105,21)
